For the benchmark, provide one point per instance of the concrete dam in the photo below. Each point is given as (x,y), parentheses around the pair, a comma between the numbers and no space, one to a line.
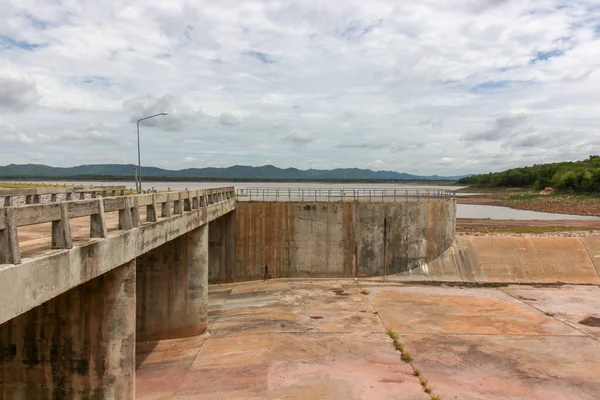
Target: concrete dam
(88,278)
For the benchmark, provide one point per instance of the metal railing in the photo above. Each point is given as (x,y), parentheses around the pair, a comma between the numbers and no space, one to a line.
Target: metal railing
(344,194)
(157,205)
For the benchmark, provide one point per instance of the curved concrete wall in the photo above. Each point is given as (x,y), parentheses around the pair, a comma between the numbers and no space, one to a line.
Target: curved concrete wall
(514,259)
(330,240)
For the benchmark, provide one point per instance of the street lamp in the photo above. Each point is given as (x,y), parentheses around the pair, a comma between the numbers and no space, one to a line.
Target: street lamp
(139,182)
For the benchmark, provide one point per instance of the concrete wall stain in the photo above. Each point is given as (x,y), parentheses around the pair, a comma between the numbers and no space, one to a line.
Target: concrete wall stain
(64,347)
(332,239)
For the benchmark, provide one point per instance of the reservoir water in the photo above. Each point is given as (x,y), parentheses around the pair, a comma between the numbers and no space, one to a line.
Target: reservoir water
(462,210)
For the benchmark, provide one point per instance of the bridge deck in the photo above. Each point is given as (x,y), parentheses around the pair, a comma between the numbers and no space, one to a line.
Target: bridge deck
(35,240)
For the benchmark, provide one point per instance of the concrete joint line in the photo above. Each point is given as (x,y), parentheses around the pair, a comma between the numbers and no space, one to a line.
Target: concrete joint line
(559,320)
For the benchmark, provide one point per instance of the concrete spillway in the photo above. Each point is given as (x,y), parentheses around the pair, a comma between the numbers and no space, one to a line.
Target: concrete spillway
(514,259)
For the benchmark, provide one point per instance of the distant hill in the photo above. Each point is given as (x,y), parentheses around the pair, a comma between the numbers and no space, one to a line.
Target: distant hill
(578,177)
(235,173)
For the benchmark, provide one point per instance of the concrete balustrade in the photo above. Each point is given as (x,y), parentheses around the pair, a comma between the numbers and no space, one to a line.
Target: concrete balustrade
(41,195)
(128,207)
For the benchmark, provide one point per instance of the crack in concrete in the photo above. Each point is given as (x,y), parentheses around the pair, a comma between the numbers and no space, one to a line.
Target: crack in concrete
(567,323)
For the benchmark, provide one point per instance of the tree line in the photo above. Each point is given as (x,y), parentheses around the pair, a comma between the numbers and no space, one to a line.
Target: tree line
(577,177)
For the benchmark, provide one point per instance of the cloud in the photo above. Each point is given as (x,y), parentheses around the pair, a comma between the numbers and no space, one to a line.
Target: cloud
(502,83)
(227,119)
(88,136)
(402,147)
(10,134)
(502,127)
(178,112)
(369,145)
(299,138)
(446,161)
(17,92)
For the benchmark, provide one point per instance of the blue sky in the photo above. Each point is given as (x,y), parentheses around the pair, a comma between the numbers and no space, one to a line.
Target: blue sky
(426,87)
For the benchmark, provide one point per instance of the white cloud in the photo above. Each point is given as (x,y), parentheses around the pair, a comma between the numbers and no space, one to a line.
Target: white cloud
(227,119)
(18,92)
(486,84)
(299,138)
(10,134)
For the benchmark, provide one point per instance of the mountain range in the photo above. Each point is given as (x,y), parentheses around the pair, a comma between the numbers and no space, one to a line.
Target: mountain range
(236,172)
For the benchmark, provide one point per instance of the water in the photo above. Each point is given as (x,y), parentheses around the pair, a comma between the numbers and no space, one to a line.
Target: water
(462,211)
(245,185)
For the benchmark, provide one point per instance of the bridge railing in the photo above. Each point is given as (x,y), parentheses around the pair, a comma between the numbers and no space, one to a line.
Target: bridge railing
(59,213)
(52,194)
(344,194)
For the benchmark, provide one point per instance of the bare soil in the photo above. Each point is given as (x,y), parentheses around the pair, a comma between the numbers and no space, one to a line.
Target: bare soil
(559,204)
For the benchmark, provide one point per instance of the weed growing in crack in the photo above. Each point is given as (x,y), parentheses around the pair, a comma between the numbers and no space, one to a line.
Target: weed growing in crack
(365,292)
(406,357)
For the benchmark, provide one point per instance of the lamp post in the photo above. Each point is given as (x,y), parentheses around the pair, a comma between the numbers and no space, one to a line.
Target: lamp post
(139,174)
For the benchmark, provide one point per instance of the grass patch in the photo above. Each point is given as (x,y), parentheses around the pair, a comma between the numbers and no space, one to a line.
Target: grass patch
(485,189)
(525,196)
(525,229)
(28,185)
(365,292)
(406,357)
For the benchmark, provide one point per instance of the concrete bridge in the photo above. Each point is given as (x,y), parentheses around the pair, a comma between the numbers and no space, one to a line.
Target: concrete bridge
(115,270)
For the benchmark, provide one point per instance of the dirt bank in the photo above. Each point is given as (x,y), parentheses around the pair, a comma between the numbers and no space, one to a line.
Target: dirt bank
(466,224)
(532,201)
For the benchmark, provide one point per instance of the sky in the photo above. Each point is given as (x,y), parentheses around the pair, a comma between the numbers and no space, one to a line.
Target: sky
(425,87)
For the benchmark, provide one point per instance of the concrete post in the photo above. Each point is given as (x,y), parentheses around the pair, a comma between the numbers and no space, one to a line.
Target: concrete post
(166,208)
(230,225)
(178,204)
(125,218)
(61,230)
(135,212)
(79,345)
(172,288)
(9,240)
(98,222)
(187,205)
(152,211)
